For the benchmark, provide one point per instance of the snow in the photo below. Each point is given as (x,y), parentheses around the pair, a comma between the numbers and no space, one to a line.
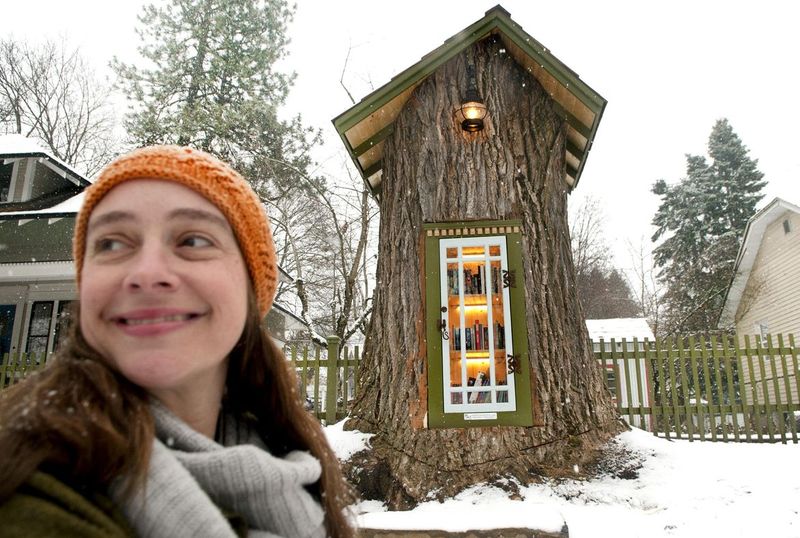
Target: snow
(345,444)
(618,328)
(13,144)
(673,489)
(16,144)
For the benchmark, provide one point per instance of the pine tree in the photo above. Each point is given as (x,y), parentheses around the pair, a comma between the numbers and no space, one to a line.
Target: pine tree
(211,82)
(702,219)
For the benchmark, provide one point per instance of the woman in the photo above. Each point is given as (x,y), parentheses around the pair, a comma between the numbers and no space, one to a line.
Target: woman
(169,411)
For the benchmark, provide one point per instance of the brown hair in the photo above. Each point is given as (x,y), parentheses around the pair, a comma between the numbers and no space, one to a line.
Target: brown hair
(81,420)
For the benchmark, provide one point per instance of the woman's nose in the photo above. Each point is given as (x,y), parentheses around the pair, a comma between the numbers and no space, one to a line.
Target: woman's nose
(152,269)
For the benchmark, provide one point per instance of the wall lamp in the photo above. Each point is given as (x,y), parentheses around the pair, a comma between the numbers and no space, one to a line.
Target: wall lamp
(472,110)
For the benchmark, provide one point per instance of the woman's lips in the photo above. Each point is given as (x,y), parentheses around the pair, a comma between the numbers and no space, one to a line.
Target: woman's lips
(153,322)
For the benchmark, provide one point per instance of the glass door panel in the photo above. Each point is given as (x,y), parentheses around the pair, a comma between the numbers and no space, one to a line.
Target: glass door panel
(476,312)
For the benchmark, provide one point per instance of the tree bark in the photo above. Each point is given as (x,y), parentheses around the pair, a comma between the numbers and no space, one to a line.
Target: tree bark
(434,172)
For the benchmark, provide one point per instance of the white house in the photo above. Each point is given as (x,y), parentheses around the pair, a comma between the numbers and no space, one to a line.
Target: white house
(618,329)
(764,295)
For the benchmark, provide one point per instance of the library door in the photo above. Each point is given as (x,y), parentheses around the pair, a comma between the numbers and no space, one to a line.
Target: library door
(477,355)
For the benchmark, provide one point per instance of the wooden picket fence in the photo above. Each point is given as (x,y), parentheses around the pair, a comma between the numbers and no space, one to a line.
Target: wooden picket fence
(317,369)
(314,366)
(710,388)
(15,367)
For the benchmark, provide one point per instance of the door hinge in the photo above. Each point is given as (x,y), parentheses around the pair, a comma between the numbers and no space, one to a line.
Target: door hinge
(513,364)
(509,279)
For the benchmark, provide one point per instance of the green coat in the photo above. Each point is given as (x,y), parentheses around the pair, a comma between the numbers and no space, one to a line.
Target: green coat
(45,506)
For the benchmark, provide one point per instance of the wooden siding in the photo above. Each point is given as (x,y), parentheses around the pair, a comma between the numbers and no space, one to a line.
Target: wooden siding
(772,294)
(770,304)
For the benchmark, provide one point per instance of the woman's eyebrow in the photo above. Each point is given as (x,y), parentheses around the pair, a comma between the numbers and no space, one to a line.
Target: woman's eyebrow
(109,218)
(198,214)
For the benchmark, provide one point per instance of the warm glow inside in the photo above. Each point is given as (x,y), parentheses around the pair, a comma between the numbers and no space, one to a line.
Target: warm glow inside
(473,110)
(474,307)
(469,300)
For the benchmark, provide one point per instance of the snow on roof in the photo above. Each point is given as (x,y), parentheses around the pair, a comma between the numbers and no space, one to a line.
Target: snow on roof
(16,144)
(753,233)
(12,144)
(65,208)
(619,328)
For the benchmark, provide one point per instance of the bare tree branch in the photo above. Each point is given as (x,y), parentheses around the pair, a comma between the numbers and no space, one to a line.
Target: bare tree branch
(49,92)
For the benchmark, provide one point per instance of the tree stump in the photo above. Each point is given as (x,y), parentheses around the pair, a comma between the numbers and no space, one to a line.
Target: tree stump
(433,171)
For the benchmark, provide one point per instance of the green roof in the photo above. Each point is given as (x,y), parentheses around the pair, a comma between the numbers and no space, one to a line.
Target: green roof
(365,126)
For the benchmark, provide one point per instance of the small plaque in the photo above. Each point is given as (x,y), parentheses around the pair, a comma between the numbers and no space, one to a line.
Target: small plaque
(480,416)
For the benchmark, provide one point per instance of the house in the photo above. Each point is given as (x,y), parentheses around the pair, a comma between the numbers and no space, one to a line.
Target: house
(764,296)
(41,196)
(603,331)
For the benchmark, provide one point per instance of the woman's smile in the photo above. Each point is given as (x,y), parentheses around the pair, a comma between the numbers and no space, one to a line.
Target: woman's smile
(154,322)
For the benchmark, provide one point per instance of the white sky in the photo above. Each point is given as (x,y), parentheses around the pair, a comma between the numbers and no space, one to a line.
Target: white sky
(668,71)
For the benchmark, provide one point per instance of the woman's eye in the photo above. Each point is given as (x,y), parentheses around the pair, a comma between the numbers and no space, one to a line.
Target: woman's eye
(195,241)
(108,245)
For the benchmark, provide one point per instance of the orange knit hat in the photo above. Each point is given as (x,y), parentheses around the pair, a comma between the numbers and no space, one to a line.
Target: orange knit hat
(215,181)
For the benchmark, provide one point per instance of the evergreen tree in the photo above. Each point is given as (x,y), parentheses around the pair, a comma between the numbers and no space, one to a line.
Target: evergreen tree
(211,82)
(701,220)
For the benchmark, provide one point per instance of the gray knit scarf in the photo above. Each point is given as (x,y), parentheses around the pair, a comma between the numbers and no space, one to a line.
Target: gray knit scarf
(191,477)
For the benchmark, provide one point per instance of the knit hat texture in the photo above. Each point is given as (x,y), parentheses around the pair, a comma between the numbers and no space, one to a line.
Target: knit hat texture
(214,180)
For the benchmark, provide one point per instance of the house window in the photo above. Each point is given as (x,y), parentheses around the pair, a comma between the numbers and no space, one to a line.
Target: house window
(62,322)
(762,329)
(787,226)
(47,323)
(7,312)
(39,327)
(478,367)
(6,173)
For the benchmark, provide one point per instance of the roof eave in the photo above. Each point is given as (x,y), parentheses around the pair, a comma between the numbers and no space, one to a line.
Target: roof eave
(498,21)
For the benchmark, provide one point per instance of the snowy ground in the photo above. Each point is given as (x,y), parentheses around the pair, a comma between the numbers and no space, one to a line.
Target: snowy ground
(670,488)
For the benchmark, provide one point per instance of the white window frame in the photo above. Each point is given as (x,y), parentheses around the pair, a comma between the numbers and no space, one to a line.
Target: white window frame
(491,406)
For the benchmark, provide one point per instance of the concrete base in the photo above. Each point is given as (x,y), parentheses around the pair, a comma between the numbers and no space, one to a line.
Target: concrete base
(485,533)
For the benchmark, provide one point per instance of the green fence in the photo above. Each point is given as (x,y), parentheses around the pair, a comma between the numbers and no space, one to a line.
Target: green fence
(318,369)
(314,366)
(709,388)
(17,366)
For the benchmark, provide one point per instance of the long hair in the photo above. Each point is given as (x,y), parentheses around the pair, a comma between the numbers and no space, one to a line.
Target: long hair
(82,420)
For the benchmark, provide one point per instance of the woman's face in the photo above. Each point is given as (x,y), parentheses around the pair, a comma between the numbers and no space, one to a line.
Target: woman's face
(164,287)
